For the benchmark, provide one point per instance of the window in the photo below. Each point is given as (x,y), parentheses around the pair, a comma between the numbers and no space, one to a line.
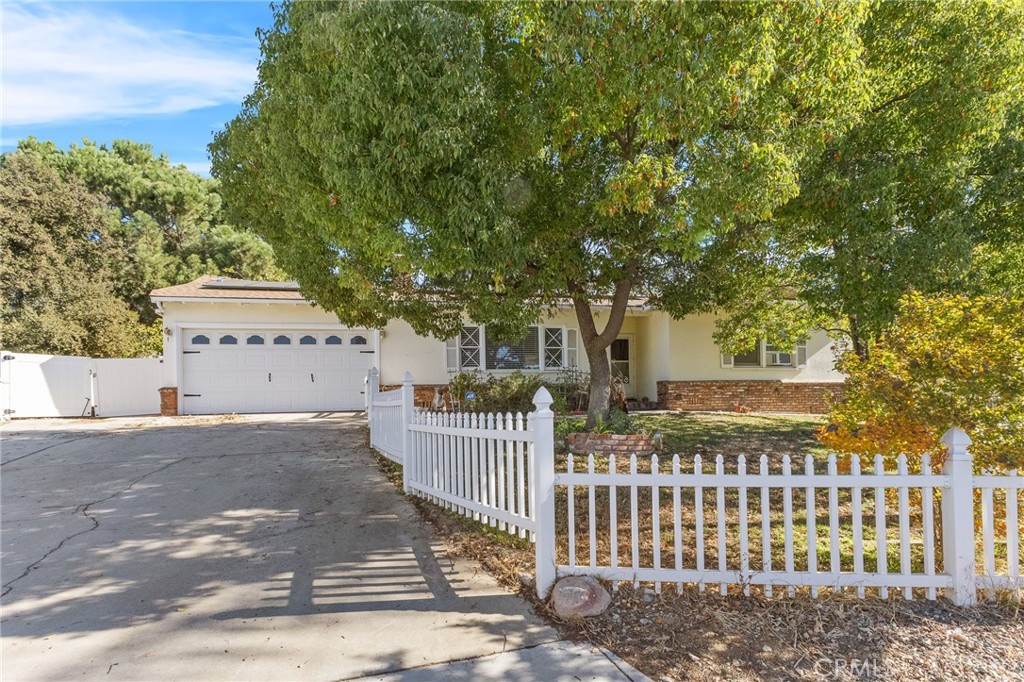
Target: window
(750,358)
(332,340)
(229,340)
(773,357)
(523,353)
(200,340)
(255,340)
(307,340)
(358,341)
(766,356)
(282,340)
(543,348)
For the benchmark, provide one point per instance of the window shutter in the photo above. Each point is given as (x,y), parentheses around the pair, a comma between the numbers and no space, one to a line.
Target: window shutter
(726,360)
(554,348)
(469,348)
(801,355)
(572,353)
(451,355)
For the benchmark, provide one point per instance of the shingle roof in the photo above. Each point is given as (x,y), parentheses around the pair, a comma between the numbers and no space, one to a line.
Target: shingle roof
(213,286)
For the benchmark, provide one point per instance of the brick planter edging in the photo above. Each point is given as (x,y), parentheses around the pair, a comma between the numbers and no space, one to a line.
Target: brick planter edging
(610,444)
(749,395)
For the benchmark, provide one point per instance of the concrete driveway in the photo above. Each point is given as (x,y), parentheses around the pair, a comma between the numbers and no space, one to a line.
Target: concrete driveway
(247,548)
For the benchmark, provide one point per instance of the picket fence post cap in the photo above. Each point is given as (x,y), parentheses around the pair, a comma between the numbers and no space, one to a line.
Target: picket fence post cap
(542,399)
(407,379)
(374,371)
(955,439)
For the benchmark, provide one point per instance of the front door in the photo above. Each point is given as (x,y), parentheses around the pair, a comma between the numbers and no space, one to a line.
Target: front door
(621,355)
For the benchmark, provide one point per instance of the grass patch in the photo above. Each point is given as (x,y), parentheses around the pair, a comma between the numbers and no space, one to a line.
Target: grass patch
(733,434)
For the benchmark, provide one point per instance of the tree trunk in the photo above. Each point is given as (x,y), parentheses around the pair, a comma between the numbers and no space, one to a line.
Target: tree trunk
(860,344)
(600,382)
(596,343)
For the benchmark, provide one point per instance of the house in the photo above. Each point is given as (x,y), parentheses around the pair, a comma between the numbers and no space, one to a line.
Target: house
(243,346)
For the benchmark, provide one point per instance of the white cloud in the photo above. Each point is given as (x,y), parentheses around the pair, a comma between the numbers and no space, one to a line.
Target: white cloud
(67,62)
(197,167)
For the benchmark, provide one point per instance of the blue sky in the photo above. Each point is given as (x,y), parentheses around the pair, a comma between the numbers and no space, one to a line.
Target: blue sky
(167,73)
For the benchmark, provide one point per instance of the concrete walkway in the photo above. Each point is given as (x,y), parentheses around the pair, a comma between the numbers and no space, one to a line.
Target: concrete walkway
(247,548)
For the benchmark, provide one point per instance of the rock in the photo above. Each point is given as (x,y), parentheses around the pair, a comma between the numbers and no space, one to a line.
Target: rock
(526,579)
(579,597)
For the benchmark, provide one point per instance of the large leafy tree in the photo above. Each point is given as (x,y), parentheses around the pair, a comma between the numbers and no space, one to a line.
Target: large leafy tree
(56,256)
(921,193)
(998,211)
(89,231)
(430,160)
(171,225)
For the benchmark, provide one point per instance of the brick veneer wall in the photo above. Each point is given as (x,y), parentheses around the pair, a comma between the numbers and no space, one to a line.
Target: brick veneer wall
(747,396)
(168,401)
(610,443)
(422,394)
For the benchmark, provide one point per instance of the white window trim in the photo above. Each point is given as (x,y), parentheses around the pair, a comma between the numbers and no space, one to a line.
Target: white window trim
(456,344)
(726,359)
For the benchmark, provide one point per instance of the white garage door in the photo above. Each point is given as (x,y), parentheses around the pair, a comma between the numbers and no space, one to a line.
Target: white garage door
(235,370)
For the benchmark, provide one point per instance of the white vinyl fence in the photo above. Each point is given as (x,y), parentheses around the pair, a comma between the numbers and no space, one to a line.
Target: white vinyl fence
(772,523)
(33,385)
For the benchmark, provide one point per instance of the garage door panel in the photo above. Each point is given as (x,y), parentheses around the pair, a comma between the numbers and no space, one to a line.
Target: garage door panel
(283,359)
(252,377)
(309,360)
(255,382)
(335,358)
(255,358)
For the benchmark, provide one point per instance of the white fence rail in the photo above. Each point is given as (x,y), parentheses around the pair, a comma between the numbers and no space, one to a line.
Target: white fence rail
(776,526)
(868,528)
(475,464)
(34,385)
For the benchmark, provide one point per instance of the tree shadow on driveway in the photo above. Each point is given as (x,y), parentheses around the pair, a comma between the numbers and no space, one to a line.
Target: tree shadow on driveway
(172,549)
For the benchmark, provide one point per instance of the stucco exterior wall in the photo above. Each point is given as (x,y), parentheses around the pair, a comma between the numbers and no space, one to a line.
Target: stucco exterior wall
(402,350)
(653,346)
(694,356)
(663,349)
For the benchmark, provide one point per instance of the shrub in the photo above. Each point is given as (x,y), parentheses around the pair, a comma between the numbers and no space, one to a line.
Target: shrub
(477,392)
(946,361)
(618,422)
(573,388)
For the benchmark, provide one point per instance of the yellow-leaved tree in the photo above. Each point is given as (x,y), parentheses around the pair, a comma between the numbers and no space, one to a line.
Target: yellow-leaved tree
(945,361)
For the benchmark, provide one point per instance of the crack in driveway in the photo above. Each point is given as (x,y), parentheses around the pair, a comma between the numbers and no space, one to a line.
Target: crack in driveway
(49,447)
(83,509)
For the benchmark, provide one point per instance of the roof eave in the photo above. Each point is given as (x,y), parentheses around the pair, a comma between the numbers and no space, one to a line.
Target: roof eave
(160,300)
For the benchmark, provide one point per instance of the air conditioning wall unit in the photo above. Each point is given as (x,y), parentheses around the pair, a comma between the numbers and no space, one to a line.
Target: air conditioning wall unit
(778,358)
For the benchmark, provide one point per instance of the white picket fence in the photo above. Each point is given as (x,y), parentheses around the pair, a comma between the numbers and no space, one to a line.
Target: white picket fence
(391,412)
(907,530)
